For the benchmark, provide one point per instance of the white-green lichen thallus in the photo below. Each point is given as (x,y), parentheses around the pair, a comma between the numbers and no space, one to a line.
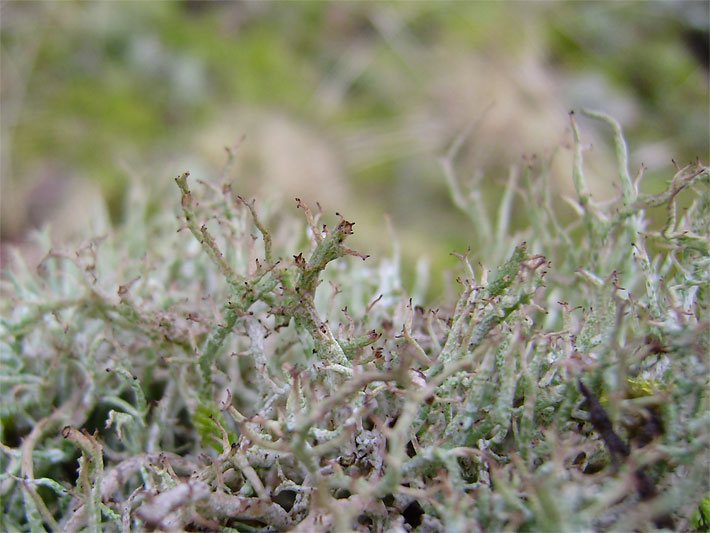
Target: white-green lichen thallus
(205,368)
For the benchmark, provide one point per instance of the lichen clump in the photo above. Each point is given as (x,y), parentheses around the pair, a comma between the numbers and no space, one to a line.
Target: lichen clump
(248,373)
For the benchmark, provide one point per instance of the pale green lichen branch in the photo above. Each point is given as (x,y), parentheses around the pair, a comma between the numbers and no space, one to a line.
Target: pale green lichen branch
(628,188)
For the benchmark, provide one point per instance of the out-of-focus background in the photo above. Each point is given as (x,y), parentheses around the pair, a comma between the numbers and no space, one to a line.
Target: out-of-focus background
(347,103)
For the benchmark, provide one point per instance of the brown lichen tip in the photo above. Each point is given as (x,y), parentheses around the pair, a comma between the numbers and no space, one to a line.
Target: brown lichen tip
(300,261)
(345,227)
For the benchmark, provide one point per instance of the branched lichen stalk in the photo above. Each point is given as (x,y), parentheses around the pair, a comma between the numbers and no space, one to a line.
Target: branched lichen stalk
(328,248)
(212,346)
(202,234)
(268,254)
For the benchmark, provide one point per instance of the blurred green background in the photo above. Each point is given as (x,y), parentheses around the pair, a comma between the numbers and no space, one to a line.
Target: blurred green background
(347,103)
